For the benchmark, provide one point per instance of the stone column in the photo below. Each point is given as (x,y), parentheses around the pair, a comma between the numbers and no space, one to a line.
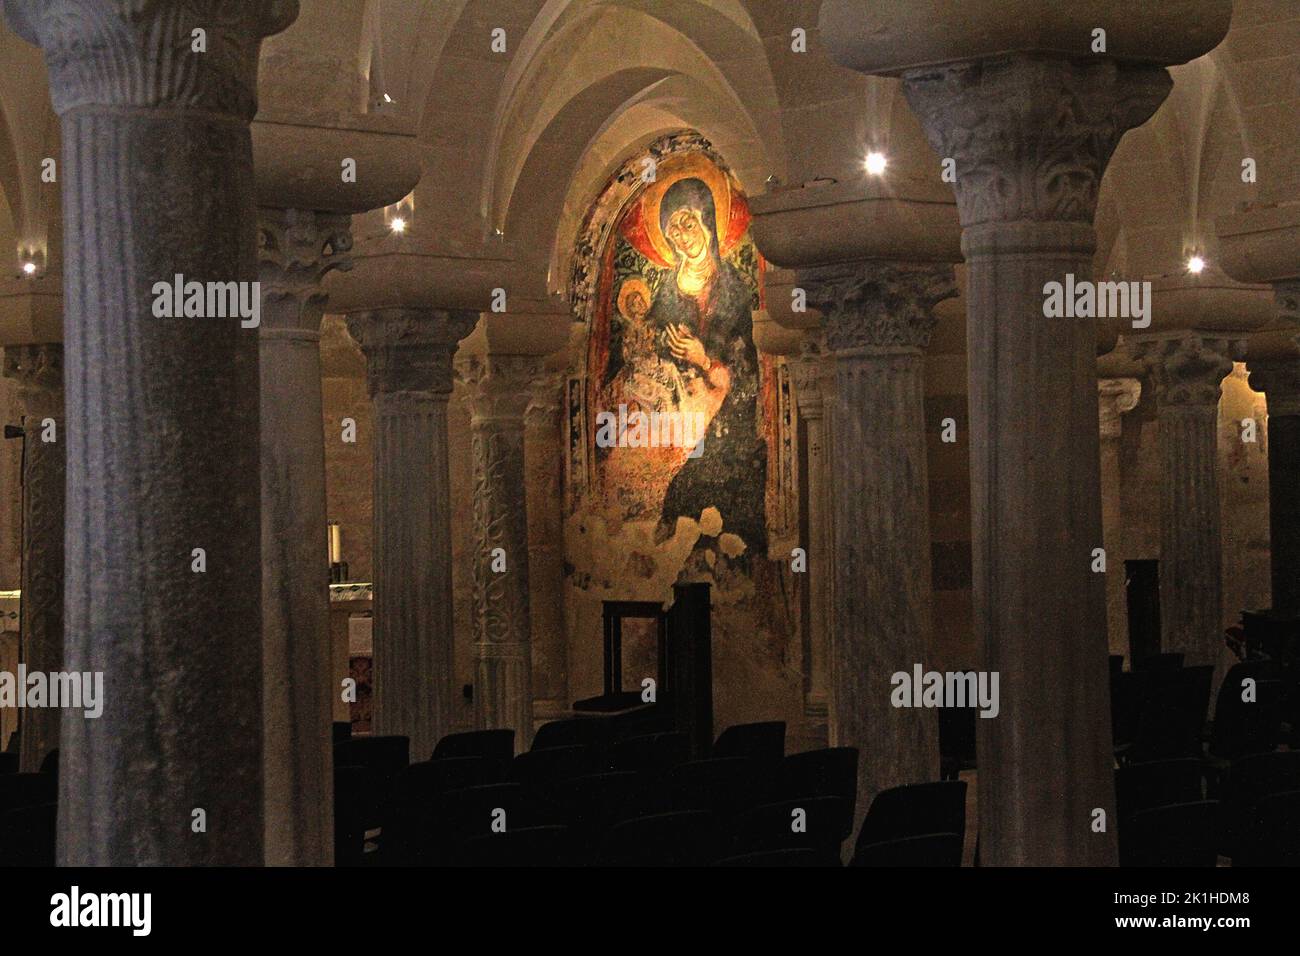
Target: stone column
(409,374)
(879,317)
(1030,138)
(1279,380)
(544,460)
(38,371)
(1187,369)
(162,422)
(813,374)
(295,250)
(499,392)
(1115,396)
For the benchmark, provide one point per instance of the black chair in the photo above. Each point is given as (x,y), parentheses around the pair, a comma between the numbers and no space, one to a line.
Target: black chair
(8,763)
(19,790)
(788,857)
(28,836)
(925,849)
(1158,783)
(1246,727)
(461,815)
(1172,717)
(918,809)
(956,740)
(651,753)
(550,765)
(591,804)
(591,732)
(828,772)
(50,764)
(385,755)
(1180,835)
(723,785)
(1126,690)
(526,847)
(677,838)
(816,823)
(1161,662)
(353,800)
(1249,780)
(493,744)
(1271,834)
(764,742)
(342,730)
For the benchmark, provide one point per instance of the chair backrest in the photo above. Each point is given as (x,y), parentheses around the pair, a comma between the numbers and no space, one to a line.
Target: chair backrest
(1173,713)
(29,835)
(538,846)
(341,730)
(1161,662)
(18,790)
(8,763)
(1271,833)
(815,822)
(829,772)
(384,754)
(594,732)
(676,838)
(915,810)
(1181,835)
(1249,780)
(723,785)
(763,741)
(924,849)
(1246,726)
(1157,783)
(550,765)
(651,753)
(494,744)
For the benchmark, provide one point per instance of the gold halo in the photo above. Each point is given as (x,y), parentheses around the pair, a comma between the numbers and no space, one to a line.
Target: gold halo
(668,172)
(629,286)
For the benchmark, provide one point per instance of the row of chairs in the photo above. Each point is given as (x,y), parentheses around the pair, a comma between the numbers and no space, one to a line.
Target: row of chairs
(583,795)
(1173,813)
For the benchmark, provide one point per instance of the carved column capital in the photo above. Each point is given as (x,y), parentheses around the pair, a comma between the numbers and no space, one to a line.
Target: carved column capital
(810,370)
(546,399)
(141,53)
(1115,397)
(409,350)
(1031,137)
(876,304)
(1279,380)
(1188,368)
(295,250)
(500,387)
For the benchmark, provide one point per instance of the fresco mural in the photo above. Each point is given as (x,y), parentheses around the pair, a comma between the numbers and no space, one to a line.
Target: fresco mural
(678,400)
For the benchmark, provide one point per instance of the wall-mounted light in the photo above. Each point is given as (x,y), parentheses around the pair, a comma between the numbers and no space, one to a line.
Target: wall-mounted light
(398,225)
(29,268)
(387,98)
(1195,265)
(875,163)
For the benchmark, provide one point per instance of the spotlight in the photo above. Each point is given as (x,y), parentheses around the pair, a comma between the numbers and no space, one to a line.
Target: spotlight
(875,163)
(398,225)
(29,268)
(387,98)
(1195,264)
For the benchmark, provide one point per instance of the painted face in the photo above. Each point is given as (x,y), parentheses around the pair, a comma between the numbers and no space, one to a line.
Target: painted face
(636,305)
(686,233)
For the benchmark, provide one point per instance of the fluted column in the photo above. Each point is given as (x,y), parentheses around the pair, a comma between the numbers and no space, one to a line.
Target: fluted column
(162,422)
(499,392)
(1187,370)
(409,374)
(295,249)
(1115,397)
(813,374)
(1030,138)
(38,370)
(879,317)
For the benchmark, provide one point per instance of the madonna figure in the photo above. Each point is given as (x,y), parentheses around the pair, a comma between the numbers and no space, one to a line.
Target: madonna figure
(703,321)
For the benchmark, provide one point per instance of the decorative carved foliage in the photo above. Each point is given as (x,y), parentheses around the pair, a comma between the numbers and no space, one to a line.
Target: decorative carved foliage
(500,597)
(295,250)
(1031,137)
(410,350)
(1188,369)
(139,53)
(878,304)
(1115,397)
